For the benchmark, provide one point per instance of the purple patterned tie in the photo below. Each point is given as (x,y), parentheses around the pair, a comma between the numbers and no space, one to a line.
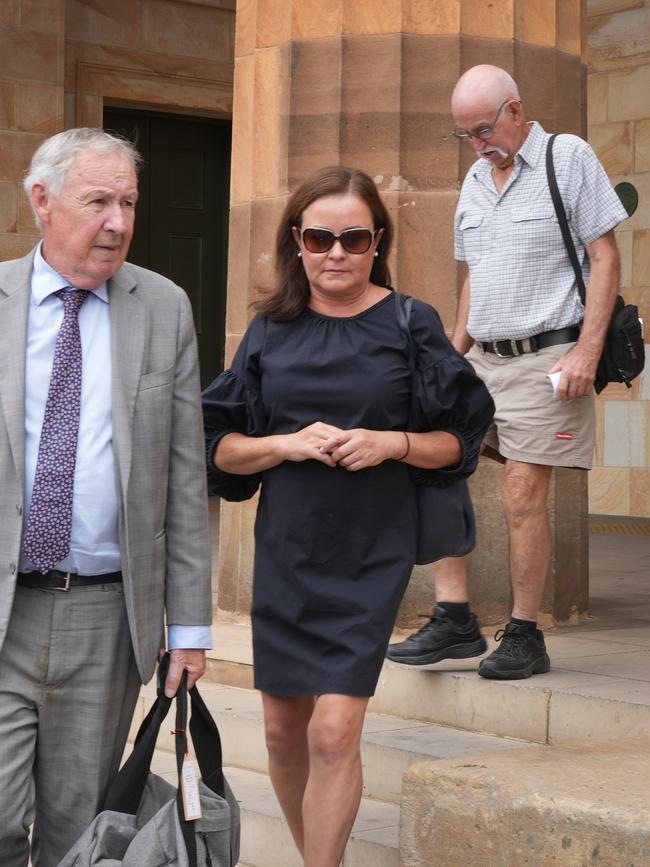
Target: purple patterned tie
(47,538)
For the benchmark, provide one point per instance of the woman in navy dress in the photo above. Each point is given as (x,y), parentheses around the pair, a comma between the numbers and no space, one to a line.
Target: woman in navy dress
(315,407)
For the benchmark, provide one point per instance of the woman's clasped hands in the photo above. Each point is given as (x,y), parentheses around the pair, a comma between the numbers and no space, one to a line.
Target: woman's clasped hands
(353,449)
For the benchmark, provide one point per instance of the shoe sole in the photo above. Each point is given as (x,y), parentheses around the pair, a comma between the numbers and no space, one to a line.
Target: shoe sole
(456,651)
(542,666)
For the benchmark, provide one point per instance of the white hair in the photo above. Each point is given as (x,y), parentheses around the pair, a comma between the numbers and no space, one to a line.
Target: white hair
(56,156)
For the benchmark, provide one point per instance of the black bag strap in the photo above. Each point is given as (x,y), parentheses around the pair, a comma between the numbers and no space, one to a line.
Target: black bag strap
(562,220)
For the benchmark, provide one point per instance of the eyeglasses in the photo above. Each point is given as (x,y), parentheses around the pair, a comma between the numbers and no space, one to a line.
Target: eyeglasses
(322,240)
(483,132)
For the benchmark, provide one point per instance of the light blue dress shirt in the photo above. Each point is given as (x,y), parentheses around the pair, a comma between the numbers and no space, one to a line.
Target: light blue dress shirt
(94,546)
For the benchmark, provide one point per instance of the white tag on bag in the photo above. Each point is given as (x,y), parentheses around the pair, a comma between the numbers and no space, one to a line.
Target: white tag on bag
(190,789)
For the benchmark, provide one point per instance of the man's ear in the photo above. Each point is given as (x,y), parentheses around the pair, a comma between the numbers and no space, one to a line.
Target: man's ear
(40,199)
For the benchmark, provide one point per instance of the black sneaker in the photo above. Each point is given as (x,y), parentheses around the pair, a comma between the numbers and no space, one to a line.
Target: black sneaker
(519,655)
(438,639)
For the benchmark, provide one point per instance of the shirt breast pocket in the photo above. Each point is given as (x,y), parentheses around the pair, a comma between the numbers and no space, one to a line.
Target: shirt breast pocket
(535,234)
(470,227)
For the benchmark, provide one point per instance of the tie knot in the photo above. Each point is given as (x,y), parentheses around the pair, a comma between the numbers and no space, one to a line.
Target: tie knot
(72,299)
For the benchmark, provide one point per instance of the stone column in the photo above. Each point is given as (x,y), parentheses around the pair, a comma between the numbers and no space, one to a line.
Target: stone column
(367,83)
(31,106)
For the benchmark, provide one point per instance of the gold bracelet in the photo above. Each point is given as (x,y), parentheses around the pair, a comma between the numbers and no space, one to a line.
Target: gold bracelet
(408,446)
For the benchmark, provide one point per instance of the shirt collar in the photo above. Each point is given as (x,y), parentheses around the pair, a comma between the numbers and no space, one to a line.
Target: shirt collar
(530,151)
(46,281)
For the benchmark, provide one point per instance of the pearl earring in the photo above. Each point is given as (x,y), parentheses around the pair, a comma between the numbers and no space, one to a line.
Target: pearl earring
(299,254)
(376,253)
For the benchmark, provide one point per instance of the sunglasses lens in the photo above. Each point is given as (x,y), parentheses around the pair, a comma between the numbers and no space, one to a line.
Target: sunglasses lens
(317,240)
(357,240)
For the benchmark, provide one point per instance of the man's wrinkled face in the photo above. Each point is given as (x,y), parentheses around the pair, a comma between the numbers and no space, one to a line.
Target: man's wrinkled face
(87,229)
(494,132)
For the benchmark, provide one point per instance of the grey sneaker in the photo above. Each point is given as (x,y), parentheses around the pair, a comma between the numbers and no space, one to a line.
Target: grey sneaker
(438,639)
(520,654)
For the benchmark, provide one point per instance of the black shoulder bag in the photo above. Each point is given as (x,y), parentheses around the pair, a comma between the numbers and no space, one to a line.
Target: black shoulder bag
(623,354)
(446,524)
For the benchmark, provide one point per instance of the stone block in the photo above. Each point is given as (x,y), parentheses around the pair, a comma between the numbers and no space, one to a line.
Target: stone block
(426,265)
(188,30)
(14,246)
(32,56)
(494,20)
(534,23)
(16,151)
(239,282)
(476,49)
(421,16)
(604,7)
(26,224)
(609,492)
(273,23)
(40,108)
(430,68)
(43,15)
(264,220)
(241,167)
(597,91)
(624,241)
(313,142)
(642,145)
(9,193)
(627,97)
(625,34)
(573,805)
(568,26)
(313,19)
(105,22)
(371,78)
(270,127)
(245,27)
(316,78)
(613,143)
(641,256)
(10,13)
(640,492)
(379,16)
(8,116)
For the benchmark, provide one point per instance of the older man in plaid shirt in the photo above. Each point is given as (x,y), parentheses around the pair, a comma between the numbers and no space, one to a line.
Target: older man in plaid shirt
(520,319)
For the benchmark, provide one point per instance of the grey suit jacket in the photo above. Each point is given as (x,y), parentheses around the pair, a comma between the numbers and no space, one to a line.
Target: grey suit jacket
(158,447)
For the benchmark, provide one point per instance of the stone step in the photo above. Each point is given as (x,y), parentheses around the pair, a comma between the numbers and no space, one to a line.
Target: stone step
(598,687)
(389,744)
(571,804)
(265,837)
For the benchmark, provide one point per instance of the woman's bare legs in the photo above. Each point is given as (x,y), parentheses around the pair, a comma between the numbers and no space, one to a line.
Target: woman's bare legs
(315,768)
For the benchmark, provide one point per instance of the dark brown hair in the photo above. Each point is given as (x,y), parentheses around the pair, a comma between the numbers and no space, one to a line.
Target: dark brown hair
(290,295)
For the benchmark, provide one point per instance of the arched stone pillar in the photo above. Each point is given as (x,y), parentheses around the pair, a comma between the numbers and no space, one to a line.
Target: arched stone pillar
(368,83)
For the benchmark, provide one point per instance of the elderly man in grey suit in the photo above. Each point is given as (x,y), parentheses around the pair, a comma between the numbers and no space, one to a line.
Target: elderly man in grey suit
(103,511)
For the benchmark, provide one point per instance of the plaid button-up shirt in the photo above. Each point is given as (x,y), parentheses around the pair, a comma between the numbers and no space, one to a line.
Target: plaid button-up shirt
(521,279)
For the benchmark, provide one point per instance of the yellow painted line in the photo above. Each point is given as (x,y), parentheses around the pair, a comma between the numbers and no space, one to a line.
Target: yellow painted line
(636,529)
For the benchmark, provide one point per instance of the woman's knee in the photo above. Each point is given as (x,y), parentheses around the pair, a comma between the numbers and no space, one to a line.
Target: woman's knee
(285,731)
(333,742)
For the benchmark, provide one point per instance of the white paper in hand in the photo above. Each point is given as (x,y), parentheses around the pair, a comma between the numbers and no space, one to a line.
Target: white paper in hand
(555,381)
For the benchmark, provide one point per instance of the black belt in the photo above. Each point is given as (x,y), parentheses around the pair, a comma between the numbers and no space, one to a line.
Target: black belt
(509,348)
(56,580)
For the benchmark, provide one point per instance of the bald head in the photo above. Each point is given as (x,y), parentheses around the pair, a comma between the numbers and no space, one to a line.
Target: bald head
(482,88)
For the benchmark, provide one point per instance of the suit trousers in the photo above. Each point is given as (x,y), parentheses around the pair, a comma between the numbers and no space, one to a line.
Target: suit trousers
(68,688)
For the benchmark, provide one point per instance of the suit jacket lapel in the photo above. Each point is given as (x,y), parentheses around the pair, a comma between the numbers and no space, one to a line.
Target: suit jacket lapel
(128,337)
(14,306)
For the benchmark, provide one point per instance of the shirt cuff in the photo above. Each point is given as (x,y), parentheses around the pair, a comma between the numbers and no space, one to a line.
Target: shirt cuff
(189,637)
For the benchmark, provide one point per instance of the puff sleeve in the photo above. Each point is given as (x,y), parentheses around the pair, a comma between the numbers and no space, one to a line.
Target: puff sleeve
(232,403)
(447,395)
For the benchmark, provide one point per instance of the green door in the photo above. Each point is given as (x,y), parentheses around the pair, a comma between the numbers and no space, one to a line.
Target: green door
(181,228)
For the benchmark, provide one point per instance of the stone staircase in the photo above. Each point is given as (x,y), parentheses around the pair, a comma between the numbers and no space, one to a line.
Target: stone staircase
(465,772)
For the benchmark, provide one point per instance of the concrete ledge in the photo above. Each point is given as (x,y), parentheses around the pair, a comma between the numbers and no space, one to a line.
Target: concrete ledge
(571,805)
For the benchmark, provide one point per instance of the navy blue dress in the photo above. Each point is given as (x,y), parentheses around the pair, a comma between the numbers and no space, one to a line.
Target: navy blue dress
(334,549)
